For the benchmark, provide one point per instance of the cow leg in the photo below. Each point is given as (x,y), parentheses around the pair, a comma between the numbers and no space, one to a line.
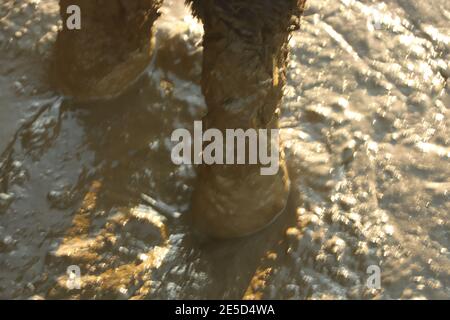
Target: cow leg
(244,71)
(111,49)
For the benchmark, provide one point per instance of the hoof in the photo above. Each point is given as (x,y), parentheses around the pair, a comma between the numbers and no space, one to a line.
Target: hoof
(236,201)
(74,78)
(108,53)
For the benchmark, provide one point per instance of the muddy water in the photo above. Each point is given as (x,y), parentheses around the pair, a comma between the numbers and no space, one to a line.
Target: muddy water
(365,126)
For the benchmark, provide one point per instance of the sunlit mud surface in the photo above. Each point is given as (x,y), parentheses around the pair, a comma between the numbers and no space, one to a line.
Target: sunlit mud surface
(366,127)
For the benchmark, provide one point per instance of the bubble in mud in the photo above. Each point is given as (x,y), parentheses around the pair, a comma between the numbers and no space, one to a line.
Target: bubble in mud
(5,201)
(18,87)
(7,243)
(60,199)
(419,102)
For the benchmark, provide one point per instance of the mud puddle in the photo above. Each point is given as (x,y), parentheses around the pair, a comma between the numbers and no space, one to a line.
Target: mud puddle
(366,130)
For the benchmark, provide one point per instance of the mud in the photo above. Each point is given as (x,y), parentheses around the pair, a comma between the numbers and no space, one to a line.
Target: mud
(365,121)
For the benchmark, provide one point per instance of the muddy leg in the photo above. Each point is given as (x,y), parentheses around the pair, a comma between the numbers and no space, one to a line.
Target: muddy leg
(111,49)
(245,53)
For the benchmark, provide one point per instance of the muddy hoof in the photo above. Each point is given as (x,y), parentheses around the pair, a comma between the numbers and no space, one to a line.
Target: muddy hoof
(108,53)
(236,201)
(107,84)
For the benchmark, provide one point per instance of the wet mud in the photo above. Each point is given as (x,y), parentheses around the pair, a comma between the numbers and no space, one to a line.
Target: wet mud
(365,127)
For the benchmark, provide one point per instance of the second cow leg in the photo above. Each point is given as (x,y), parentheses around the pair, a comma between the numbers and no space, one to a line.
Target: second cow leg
(244,72)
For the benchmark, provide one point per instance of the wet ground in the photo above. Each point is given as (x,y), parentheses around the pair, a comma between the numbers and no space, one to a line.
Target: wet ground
(366,127)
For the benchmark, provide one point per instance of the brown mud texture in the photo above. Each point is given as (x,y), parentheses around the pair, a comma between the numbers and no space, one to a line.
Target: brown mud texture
(365,127)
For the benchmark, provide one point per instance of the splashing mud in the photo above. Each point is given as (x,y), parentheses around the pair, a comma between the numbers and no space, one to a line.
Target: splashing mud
(365,124)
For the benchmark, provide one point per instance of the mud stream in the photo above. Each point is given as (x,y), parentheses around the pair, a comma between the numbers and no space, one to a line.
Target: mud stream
(366,127)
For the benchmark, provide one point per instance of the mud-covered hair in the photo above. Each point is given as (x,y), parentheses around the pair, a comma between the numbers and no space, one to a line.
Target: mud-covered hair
(274,11)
